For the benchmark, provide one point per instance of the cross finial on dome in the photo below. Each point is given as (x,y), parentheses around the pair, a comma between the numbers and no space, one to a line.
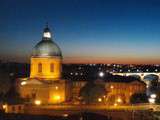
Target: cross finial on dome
(47,25)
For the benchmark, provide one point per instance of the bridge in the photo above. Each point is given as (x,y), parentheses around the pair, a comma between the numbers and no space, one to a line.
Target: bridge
(142,75)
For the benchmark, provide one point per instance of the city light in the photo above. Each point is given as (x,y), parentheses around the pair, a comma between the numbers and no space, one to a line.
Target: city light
(115,104)
(37,102)
(56,87)
(101,74)
(119,100)
(65,115)
(4,106)
(112,87)
(23,83)
(99,99)
(57,97)
(153,96)
(79,68)
(151,100)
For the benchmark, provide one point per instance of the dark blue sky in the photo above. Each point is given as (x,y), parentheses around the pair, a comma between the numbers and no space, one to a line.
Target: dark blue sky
(111,31)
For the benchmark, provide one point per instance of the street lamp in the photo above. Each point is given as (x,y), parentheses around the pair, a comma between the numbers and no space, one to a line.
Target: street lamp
(37,102)
(5,107)
(153,96)
(151,100)
(23,83)
(101,74)
(115,104)
(57,97)
(111,87)
(119,100)
(56,87)
(99,99)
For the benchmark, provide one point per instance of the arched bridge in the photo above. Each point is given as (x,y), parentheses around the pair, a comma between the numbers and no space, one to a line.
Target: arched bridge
(142,75)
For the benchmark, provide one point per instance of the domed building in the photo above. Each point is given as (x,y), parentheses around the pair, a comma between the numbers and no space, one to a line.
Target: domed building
(46,59)
(45,86)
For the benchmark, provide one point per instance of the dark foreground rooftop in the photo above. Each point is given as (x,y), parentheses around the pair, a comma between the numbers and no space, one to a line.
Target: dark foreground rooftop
(81,116)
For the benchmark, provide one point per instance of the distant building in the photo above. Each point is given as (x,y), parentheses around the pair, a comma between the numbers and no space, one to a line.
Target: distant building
(121,92)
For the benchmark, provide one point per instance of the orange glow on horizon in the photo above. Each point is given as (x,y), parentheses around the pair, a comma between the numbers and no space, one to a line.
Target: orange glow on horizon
(129,60)
(105,60)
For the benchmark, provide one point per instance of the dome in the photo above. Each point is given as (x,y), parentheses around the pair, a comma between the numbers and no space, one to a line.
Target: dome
(46,47)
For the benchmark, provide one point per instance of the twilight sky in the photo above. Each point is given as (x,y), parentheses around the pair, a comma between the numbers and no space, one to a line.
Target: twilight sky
(107,31)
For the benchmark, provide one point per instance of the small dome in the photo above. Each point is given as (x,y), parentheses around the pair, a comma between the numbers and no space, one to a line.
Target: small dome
(46,47)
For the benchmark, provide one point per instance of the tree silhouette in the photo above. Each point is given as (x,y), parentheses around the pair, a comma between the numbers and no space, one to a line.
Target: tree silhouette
(12,96)
(139,98)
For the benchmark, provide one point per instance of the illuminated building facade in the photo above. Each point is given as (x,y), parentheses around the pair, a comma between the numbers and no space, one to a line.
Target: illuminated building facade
(121,92)
(116,92)
(45,86)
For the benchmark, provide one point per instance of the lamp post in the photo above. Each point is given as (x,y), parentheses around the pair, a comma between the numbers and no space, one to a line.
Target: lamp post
(37,102)
(152,100)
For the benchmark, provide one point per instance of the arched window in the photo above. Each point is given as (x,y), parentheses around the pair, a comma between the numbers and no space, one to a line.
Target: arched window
(39,67)
(52,67)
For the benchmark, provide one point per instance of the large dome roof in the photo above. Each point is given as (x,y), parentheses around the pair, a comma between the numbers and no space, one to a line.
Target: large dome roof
(46,47)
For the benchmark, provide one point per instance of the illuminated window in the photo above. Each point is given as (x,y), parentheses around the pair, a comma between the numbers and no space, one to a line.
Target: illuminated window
(40,67)
(52,67)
